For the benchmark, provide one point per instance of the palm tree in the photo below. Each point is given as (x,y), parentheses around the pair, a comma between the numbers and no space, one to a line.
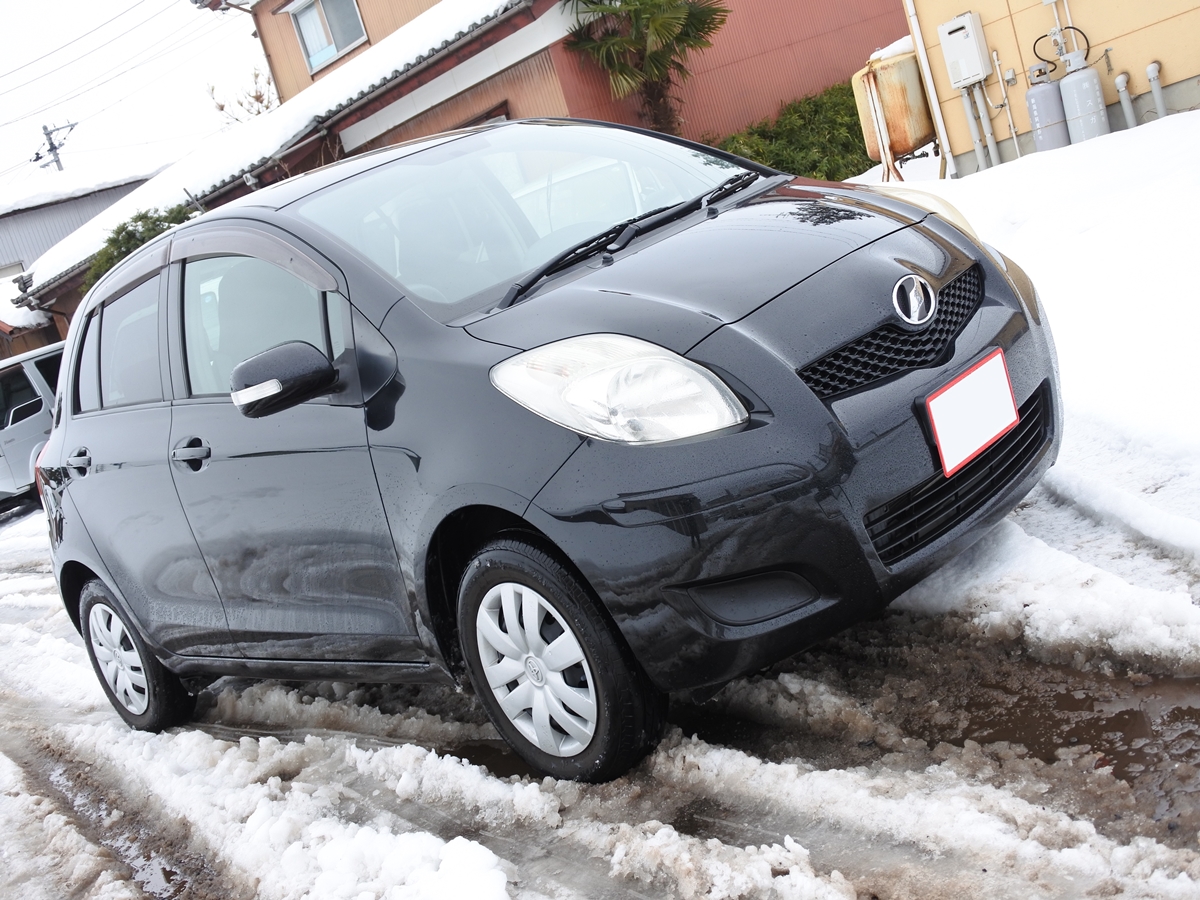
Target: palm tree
(642,45)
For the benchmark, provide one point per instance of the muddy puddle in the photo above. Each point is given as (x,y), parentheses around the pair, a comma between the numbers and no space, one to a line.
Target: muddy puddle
(1121,748)
(1133,722)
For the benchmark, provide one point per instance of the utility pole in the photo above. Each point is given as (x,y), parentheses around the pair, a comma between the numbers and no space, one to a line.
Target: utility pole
(53,147)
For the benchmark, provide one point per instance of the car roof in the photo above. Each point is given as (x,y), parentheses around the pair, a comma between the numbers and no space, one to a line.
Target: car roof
(30,355)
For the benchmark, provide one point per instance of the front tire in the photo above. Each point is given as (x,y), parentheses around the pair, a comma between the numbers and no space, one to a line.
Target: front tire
(145,693)
(556,679)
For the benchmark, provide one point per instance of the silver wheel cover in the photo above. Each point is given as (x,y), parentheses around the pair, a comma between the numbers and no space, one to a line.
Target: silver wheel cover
(526,674)
(119,660)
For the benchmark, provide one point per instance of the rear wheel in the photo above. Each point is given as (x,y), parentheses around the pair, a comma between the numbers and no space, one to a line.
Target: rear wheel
(146,694)
(555,677)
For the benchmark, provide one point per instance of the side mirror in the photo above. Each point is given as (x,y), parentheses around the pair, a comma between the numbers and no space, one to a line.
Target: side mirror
(280,378)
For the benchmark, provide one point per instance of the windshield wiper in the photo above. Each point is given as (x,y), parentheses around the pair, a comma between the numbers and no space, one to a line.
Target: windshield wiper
(619,236)
(574,253)
(679,210)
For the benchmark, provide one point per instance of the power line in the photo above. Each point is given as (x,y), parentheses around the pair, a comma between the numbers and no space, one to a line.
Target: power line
(95,49)
(70,42)
(142,86)
(96,84)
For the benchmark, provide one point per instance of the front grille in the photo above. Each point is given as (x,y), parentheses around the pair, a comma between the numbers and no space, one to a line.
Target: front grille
(889,350)
(923,514)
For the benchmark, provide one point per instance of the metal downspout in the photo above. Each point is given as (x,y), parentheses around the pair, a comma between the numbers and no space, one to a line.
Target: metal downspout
(939,123)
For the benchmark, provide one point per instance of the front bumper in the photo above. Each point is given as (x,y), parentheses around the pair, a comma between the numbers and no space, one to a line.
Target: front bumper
(722,555)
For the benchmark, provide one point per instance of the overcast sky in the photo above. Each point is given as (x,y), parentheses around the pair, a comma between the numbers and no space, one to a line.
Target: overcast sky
(134,75)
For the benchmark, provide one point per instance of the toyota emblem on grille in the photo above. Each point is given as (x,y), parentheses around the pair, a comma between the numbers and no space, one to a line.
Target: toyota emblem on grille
(914,300)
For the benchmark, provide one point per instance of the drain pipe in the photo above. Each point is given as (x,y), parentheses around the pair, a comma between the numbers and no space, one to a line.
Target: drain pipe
(986,118)
(1160,104)
(1012,129)
(980,155)
(1122,83)
(939,124)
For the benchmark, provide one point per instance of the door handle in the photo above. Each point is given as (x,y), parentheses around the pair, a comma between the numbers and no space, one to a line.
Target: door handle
(185,454)
(80,459)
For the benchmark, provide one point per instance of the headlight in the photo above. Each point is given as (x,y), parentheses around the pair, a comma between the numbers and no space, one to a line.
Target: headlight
(931,202)
(619,388)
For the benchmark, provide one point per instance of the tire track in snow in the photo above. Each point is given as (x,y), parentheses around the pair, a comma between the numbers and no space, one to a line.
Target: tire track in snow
(156,858)
(1104,542)
(1175,535)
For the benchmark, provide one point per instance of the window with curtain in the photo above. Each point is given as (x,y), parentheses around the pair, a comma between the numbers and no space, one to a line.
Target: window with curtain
(326,28)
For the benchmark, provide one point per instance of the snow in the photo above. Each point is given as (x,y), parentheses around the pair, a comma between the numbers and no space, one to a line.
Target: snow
(46,186)
(898,47)
(17,316)
(243,145)
(44,857)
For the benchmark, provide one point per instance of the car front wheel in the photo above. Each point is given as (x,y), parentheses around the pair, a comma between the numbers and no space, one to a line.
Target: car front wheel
(146,694)
(551,670)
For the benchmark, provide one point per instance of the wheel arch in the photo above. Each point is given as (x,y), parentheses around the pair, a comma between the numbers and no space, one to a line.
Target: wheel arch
(455,541)
(71,579)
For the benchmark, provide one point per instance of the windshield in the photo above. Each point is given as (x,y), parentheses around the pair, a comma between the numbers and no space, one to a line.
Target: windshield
(454,226)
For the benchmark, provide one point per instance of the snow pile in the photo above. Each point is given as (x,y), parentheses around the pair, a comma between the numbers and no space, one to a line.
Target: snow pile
(708,869)
(1012,586)
(25,577)
(978,826)
(271,705)
(274,811)
(242,145)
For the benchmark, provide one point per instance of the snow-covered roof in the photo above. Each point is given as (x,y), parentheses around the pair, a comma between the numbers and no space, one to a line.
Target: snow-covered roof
(225,156)
(46,186)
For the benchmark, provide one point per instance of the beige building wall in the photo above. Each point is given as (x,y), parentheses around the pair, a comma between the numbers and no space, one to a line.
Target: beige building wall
(1137,31)
(282,46)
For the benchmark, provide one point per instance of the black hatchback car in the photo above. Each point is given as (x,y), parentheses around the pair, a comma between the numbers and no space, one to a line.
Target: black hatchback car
(582,415)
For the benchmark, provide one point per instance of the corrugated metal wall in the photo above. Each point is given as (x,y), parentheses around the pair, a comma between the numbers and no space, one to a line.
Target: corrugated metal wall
(28,233)
(769,53)
(529,89)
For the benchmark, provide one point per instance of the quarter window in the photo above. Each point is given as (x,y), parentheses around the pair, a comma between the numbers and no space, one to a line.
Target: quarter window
(235,307)
(15,392)
(48,366)
(87,378)
(326,28)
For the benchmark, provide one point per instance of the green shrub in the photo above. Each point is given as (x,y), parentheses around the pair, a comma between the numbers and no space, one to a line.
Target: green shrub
(128,236)
(818,137)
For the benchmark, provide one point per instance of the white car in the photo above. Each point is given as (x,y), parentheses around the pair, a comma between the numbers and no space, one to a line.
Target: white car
(27,385)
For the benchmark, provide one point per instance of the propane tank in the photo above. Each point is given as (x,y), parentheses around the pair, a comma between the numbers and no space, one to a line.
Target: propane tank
(1083,100)
(1045,105)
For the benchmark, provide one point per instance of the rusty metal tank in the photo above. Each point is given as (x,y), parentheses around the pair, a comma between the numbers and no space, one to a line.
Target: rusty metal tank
(902,100)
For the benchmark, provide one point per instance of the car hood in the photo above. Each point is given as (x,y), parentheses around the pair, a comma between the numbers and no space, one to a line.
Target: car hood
(678,285)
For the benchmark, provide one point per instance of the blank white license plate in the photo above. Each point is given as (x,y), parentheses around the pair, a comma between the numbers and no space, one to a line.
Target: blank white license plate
(972,412)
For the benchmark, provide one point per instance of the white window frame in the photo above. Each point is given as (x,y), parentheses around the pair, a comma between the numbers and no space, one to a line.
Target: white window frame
(298,6)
